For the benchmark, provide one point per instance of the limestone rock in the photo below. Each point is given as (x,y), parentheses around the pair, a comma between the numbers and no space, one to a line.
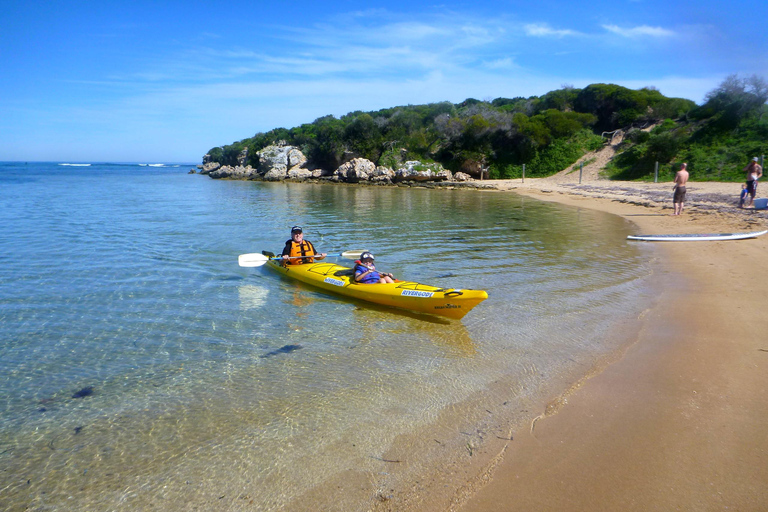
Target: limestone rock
(297,173)
(383,175)
(414,170)
(276,161)
(321,173)
(356,170)
(242,157)
(462,176)
(235,173)
(210,167)
(296,158)
(277,173)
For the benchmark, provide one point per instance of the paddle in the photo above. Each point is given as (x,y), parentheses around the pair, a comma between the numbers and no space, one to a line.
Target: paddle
(256,260)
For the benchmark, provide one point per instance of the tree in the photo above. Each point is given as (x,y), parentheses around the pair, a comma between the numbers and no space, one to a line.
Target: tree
(734,100)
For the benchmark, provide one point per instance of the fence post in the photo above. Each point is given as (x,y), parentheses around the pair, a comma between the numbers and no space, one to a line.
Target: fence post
(523,173)
(656,173)
(581,170)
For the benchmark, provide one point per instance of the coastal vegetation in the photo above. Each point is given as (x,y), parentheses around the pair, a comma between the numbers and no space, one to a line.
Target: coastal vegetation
(547,134)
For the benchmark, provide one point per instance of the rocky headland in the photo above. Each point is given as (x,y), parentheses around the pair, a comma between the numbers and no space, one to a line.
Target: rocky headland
(281,162)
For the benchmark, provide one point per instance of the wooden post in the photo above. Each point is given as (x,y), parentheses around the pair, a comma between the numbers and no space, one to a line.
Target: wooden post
(523,173)
(656,173)
(581,170)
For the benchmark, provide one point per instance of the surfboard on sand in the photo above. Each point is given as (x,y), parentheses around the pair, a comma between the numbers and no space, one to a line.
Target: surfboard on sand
(695,237)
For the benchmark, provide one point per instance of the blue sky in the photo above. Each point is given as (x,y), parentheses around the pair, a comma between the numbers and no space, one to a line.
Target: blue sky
(166,81)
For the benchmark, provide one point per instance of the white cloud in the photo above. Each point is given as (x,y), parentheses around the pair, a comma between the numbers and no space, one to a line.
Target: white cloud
(505,63)
(640,31)
(544,30)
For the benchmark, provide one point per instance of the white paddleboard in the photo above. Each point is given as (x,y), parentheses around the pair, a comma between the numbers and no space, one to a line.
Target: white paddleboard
(697,237)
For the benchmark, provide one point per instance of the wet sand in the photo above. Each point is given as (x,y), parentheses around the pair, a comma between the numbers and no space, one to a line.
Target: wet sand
(680,420)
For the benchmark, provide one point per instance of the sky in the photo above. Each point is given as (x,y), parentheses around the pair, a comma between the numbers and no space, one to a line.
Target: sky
(164,82)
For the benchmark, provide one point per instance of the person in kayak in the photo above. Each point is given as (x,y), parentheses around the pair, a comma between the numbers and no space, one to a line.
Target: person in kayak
(300,250)
(365,271)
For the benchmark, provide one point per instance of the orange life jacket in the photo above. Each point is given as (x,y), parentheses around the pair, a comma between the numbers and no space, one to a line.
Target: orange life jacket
(305,248)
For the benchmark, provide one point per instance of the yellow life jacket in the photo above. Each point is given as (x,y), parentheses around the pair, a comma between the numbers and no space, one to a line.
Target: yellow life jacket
(305,248)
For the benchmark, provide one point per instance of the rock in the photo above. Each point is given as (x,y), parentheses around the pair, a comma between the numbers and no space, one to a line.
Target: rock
(277,173)
(321,173)
(86,391)
(242,157)
(209,167)
(295,158)
(272,157)
(356,170)
(414,170)
(299,174)
(236,173)
(281,161)
(383,175)
(277,160)
(462,176)
(192,171)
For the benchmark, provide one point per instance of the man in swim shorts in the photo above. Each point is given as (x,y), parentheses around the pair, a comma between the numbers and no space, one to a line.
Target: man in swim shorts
(681,178)
(754,172)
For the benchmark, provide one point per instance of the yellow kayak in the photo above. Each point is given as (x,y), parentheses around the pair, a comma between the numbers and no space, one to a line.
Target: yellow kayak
(409,295)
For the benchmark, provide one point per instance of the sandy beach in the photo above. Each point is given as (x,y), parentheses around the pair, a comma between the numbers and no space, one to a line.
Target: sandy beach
(679,421)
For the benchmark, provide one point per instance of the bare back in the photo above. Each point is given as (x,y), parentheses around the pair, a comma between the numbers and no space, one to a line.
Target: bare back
(681,178)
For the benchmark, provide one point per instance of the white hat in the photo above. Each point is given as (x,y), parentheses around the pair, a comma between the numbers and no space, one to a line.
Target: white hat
(754,159)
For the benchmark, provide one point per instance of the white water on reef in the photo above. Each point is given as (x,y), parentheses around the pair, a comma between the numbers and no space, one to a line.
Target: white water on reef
(141,367)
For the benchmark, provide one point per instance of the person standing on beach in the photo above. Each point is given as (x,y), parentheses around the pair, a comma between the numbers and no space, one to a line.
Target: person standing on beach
(681,178)
(754,172)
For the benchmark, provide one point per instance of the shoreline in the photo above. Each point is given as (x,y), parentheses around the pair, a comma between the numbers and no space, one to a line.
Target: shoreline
(678,420)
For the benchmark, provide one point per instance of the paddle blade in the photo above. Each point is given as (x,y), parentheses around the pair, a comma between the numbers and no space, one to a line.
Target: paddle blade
(252,260)
(352,255)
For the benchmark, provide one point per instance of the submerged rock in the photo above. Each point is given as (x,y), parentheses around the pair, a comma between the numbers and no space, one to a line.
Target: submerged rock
(86,391)
(287,349)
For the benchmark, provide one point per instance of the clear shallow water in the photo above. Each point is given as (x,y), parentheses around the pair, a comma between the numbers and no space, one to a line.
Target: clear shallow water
(219,386)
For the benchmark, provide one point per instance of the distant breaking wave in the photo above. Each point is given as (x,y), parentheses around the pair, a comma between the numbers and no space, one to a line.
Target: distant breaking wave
(120,165)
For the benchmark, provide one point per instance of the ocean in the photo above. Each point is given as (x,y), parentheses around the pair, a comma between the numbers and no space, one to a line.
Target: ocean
(141,367)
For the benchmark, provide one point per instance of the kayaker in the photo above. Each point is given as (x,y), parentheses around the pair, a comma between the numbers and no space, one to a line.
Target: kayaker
(365,271)
(300,250)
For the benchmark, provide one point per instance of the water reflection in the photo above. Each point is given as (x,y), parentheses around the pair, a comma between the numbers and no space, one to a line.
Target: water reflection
(252,296)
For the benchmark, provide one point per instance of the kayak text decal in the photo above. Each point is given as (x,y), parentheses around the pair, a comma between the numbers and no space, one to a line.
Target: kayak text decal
(416,293)
(333,281)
